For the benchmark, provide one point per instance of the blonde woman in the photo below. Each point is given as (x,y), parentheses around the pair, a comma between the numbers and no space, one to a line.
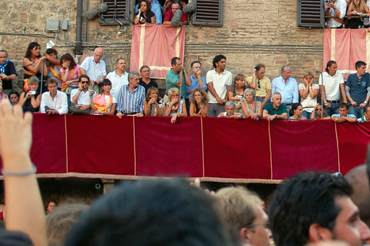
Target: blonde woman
(236,92)
(358,10)
(308,92)
(152,103)
(175,107)
(199,103)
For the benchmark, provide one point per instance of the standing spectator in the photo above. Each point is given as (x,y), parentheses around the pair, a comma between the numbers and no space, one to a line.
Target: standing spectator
(30,100)
(175,107)
(105,103)
(82,96)
(13,97)
(2,95)
(176,5)
(297,111)
(173,78)
(286,86)
(70,72)
(167,6)
(333,83)
(249,105)
(53,65)
(230,111)
(54,101)
(308,92)
(358,89)
(197,82)
(219,81)
(275,109)
(153,105)
(343,114)
(144,14)
(145,79)
(263,90)
(118,77)
(366,116)
(156,9)
(131,97)
(359,10)
(336,9)
(95,68)
(199,103)
(236,92)
(7,71)
(33,65)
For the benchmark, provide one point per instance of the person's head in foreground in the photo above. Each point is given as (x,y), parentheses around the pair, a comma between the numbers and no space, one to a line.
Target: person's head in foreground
(242,210)
(152,212)
(311,207)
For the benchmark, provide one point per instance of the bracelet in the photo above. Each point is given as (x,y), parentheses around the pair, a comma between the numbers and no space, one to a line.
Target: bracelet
(20,173)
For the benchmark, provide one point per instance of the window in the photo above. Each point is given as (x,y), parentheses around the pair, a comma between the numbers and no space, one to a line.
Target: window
(310,13)
(117,10)
(208,13)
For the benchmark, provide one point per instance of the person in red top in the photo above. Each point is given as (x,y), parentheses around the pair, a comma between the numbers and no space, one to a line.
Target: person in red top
(169,14)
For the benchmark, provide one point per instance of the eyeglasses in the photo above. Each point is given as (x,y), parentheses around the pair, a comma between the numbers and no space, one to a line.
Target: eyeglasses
(266,225)
(258,84)
(84,82)
(359,82)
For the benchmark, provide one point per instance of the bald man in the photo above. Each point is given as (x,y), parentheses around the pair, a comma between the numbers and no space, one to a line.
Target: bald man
(95,68)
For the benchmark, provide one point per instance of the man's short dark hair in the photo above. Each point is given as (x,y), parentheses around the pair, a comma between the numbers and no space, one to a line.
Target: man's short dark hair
(343,105)
(329,64)
(360,64)
(174,59)
(83,76)
(302,200)
(145,66)
(176,2)
(52,81)
(191,65)
(259,66)
(151,212)
(120,59)
(217,59)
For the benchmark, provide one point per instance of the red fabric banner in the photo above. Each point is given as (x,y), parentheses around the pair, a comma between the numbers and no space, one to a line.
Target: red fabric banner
(346,47)
(155,45)
(212,149)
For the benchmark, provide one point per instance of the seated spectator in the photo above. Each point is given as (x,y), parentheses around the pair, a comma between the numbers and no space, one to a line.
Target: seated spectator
(82,96)
(156,9)
(242,211)
(343,114)
(53,65)
(131,97)
(13,97)
(197,82)
(105,103)
(263,90)
(236,92)
(297,111)
(61,221)
(357,9)
(316,113)
(199,103)
(230,111)
(308,92)
(336,9)
(249,105)
(145,79)
(366,116)
(70,72)
(118,77)
(153,105)
(2,95)
(275,109)
(7,71)
(144,15)
(175,107)
(176,5)
(54,101)
(50,206)
(30,100)
(33,65)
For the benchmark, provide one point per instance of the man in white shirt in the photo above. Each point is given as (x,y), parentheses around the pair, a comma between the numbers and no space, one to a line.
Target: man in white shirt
(218,82)
(337,9)
(118,77)
(82,96)
(94,67)
(54,101)
(333,83)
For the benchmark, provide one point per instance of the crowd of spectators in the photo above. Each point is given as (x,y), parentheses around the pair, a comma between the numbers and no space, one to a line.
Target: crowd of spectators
(60,86)
(352,14)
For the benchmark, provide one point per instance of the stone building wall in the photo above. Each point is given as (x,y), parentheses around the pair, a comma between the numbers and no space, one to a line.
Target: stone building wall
(252,32)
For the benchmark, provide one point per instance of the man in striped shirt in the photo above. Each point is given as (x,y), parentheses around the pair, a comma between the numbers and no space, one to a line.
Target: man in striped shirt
(130,99)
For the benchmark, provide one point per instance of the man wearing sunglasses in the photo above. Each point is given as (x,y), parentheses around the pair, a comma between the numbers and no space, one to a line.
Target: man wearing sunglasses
(82,96)
(358,89)
(263,89)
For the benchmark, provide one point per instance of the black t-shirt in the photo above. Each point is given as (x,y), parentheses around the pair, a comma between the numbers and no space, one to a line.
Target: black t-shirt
(148,17)
(147,86)
(9,70)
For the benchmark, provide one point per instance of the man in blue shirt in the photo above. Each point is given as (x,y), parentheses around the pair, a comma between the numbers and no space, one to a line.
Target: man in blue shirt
(156,9)
(286,86)
(343,114)
(197,81)
(358,89)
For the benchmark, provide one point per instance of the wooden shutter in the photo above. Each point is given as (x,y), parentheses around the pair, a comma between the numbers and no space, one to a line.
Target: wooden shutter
(117,10)
(208,13)
(310,13)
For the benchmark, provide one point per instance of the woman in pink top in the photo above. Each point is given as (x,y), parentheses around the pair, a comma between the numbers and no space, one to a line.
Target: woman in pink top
(70,72)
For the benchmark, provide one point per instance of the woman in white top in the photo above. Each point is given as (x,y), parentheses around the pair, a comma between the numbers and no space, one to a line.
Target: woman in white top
(308,92)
